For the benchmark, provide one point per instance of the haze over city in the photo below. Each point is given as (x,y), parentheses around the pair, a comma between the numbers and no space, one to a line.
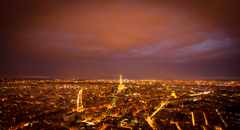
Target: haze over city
(138,39)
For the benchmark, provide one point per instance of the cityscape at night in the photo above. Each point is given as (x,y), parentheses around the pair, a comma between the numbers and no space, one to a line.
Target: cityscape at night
(120,104)
(119,65)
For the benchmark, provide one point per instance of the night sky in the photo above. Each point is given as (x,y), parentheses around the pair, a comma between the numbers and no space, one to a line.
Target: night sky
(92,39)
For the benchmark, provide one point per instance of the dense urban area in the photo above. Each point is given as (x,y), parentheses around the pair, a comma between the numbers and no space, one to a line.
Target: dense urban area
(119,104)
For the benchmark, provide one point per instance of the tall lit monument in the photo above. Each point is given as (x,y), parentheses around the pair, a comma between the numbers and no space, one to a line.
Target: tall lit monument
(120,81)
(121,86)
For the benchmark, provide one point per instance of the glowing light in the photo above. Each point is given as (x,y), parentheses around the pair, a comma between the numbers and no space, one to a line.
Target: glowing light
(164,103)
(193,121)
(26,124)
(221,118)
(79,101)
(109,110)
(205,118)
(121,86)
(173,94)
(178,126)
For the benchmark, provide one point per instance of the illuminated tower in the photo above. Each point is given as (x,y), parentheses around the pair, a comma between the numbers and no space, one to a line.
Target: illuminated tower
(120,81)
(79,101)
(121,86)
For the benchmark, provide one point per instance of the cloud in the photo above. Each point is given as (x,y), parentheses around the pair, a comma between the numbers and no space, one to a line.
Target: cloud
(80,31)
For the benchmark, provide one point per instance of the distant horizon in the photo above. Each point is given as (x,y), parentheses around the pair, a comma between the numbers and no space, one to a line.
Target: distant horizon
(34,78)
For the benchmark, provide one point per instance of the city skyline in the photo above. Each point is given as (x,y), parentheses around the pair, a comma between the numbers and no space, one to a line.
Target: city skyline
(185,40)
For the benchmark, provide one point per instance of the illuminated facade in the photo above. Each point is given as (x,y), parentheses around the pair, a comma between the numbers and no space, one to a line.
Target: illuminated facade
(79,101)
(193,121)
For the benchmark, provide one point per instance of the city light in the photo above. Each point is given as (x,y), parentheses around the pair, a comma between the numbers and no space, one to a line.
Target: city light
(100,104)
